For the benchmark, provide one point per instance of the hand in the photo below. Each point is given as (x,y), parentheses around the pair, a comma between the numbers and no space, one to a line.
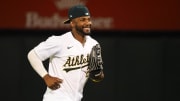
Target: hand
(52,82)
(95,66)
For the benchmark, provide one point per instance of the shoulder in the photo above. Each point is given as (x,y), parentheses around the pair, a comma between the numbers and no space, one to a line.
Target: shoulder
(92,40)
(57,38)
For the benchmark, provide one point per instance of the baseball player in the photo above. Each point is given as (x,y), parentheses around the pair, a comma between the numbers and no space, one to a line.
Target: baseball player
(68,56)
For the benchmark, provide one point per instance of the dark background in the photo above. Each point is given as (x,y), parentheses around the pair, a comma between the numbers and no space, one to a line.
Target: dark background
(138,66)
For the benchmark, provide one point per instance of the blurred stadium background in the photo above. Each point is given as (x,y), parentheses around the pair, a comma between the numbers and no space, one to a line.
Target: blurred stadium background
(140,47)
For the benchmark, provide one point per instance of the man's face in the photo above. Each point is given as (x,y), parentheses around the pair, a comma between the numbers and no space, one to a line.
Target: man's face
(83,25)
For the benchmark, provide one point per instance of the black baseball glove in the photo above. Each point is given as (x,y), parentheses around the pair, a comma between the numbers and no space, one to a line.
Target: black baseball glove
(95,65)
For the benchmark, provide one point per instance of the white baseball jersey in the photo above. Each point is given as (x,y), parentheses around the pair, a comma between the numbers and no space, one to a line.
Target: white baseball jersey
(68,61)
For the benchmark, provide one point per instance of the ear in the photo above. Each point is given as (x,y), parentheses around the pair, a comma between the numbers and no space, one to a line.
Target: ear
(71,23)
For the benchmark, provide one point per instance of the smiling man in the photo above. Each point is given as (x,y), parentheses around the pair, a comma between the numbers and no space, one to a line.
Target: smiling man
(69,56)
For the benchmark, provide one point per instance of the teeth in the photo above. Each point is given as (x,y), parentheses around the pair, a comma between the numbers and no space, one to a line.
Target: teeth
(87,30)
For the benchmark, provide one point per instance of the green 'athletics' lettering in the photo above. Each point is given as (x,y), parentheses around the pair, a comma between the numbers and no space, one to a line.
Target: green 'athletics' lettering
(77,60)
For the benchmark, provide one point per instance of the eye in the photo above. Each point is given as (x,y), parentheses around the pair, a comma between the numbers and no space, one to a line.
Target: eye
(82,19)
(89,19)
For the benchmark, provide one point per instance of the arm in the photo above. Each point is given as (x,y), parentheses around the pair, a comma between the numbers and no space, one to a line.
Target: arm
(37,65)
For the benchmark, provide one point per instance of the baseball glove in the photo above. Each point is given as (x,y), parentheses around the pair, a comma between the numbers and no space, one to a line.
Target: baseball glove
(95,66)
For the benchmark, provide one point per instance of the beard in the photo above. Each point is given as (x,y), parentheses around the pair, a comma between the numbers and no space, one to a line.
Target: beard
(84,30)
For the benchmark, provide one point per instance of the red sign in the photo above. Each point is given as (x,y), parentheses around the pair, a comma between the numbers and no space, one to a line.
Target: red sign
(106,14)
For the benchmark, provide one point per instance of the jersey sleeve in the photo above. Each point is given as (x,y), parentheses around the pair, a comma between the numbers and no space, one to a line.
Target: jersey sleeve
(48,48)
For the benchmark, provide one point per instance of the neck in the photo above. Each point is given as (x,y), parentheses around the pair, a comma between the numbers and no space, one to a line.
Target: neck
(81,38)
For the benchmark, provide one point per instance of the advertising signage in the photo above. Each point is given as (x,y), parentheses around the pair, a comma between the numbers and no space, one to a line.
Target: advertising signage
(105,14)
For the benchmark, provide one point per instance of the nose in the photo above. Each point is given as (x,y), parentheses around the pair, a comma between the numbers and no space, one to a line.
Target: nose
(89,22)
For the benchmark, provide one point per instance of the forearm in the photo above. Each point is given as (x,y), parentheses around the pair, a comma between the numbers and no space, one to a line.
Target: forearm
(36,63)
